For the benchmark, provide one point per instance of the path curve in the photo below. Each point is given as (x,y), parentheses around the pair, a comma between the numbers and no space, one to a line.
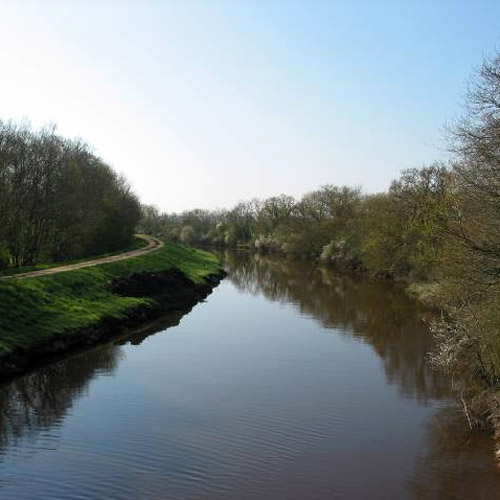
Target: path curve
(153,245)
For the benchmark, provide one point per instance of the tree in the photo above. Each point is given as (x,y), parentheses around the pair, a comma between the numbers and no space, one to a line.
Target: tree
(57,199)
(470,290)
(188,235)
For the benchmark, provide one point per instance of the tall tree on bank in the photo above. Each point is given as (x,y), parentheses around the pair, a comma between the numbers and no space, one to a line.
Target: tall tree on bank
(57,199)
(471,264)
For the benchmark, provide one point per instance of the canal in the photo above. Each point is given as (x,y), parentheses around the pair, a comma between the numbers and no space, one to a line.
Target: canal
(288,382)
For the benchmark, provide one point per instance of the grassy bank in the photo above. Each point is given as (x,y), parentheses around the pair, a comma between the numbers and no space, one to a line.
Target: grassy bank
(36,311)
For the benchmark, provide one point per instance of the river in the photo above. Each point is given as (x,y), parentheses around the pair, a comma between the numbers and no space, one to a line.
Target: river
(288,382)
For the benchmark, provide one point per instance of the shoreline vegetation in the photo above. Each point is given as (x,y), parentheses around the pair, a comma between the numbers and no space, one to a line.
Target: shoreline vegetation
(47,316)
(436,227)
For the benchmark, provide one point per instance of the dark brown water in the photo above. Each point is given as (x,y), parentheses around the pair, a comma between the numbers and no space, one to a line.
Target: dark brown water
(289,382)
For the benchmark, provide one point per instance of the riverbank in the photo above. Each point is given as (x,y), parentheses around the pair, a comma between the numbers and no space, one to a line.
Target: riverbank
(44,317)
(283,356)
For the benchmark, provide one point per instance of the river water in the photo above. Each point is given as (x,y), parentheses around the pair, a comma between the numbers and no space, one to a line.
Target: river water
(289,382)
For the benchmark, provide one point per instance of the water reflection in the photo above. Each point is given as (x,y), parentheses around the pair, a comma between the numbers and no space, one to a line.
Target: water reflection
(234,409)
(456,463)
(38,402)
(375,312)
(33,403)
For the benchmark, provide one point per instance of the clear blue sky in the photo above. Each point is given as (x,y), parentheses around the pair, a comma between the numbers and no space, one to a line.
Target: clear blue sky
(205,103)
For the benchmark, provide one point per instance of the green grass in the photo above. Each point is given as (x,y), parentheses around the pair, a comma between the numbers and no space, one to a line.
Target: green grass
(136,244)
(35,311)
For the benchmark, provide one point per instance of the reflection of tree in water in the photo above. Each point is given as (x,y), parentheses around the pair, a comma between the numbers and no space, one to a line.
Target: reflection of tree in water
(36,401)
(378,313)
(457,464)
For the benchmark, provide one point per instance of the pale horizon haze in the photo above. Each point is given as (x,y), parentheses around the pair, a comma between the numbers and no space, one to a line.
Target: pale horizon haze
(202,104)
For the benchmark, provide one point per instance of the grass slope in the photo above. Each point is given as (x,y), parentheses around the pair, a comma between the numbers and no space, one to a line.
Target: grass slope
(36,310)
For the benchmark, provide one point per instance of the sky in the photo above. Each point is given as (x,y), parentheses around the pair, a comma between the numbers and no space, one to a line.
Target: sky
(207,103)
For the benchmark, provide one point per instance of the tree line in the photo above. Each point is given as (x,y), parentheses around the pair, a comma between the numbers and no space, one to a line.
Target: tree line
(395,233)
(58,200)
(439,225)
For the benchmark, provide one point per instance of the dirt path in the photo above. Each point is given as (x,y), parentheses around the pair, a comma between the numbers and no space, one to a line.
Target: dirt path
(153,245)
